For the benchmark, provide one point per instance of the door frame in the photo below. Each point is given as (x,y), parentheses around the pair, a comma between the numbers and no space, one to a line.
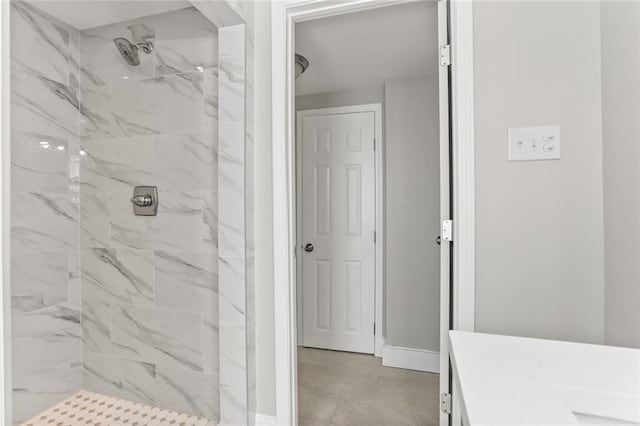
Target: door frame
(379,212)
(284,15)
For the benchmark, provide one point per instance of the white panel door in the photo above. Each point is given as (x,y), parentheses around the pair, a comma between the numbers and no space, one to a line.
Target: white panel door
(338,220)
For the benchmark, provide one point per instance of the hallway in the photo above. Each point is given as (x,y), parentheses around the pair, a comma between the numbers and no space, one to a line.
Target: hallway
(342,388)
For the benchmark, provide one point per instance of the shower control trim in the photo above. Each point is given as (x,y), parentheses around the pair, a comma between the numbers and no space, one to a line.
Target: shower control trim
(145,201)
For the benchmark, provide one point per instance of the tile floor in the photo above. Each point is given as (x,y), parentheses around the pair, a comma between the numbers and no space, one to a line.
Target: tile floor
(88,408)
(348,389)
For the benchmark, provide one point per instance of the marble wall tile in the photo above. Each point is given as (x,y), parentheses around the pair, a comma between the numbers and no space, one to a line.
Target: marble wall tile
(186,281)
(233,406)
(47,337)
(185,55)
(165,337)
(210,221)
(211,344)
(42,105)
(187,392)
(95,220)
(157,105)
(95,110)
(43,221)
(128,230)
(43,41)
(231,223)
(233,355)
(232,290)
(119,275)
(122,378)
(232,155)
(43,388)
(74,280)
(179,224)
(39,163)
(96,326)
(185,41)
(210,88)
(38,280)
(231,73)
(234,398)
(116,165)
(197,168)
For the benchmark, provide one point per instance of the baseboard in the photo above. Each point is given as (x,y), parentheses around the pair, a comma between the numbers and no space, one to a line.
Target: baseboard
(411,359)
(264,420)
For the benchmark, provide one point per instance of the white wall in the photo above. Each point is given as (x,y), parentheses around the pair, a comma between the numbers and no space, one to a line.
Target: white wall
(539,224)
(412,213)
(621,130)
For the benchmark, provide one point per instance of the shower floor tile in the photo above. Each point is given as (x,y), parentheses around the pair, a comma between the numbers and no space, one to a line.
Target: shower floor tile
(88,408)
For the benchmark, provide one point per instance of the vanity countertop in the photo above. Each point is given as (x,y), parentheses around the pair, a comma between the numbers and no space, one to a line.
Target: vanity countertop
(506,380)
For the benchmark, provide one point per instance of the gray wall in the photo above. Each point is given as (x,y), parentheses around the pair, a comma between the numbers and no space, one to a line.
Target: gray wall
(412,190)
(621,130)
(539,225)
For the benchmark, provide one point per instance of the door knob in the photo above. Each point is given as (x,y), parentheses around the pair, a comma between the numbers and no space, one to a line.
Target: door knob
(438,240)
(308,247)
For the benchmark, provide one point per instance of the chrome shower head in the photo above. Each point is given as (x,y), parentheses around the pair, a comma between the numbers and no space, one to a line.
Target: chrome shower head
(129,51)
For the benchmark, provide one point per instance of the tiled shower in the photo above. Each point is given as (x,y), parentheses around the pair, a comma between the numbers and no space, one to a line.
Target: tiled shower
(150,309)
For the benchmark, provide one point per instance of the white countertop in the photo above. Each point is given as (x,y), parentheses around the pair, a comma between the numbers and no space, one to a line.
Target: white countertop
(507,380)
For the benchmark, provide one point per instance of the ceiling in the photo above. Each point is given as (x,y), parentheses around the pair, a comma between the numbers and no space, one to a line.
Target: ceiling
(364,49)
(95,13)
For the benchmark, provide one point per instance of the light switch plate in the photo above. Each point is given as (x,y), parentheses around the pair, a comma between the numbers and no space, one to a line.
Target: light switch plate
(534,143)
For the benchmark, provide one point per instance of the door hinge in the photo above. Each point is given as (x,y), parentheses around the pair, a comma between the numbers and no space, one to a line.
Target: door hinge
(445,403)
(447,230)
(445,55)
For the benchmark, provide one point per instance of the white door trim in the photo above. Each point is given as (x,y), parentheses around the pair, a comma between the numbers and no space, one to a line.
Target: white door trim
(379,213)
(284,14)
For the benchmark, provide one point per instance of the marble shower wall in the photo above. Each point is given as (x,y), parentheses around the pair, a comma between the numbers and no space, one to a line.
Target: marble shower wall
(150,284)
(45,287)
(232,226)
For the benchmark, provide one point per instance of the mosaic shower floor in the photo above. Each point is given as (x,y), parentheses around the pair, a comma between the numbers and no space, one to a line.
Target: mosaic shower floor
(88,408)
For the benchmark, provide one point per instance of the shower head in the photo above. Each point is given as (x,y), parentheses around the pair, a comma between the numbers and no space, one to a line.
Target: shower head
(129,51)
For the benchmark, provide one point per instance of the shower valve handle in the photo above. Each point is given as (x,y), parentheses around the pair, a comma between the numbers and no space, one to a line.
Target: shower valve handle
(142,200)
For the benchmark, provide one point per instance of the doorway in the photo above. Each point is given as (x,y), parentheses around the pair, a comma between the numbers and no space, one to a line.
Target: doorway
(359,167)
(457,278)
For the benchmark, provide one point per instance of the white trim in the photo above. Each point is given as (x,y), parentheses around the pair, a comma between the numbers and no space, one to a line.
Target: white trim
(376,108)
(463,166)
(6,406)
(463,163)
(284,14)
(411,359)
(444,104)
(265,420)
